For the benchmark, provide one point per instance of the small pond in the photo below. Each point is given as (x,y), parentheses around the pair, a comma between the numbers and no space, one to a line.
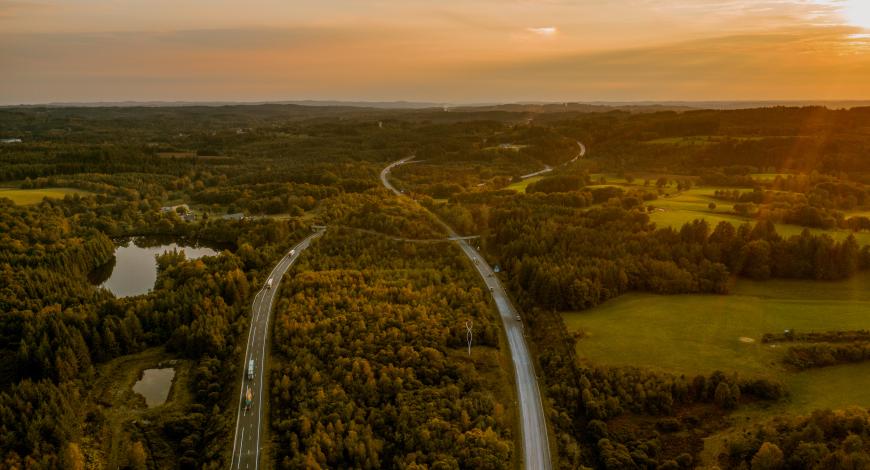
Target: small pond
(133,270)
(154,385)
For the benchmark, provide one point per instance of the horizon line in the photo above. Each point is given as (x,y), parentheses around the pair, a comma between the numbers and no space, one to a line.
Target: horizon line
(422,104)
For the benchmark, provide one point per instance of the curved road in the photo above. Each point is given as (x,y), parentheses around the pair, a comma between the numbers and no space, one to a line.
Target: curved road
(536,448)
(246,443)
(548,168)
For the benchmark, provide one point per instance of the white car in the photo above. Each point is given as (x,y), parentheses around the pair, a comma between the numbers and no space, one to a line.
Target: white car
(292,252)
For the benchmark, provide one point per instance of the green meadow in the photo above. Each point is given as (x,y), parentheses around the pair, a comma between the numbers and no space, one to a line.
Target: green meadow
(700,140)
(34,196)
(692,334)
(684,207)
(520,186)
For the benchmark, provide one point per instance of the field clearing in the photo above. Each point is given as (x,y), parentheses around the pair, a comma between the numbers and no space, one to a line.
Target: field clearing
(693,204)
(701,140)
(176,154)
(26,197)
(768,176)
(837,387)
(520,186)
(112,396)
(692,334)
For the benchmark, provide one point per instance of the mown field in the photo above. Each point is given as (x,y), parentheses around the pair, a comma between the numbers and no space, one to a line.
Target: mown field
(692,334)
(687,206)
(34,196)
(701,140)
(520,186)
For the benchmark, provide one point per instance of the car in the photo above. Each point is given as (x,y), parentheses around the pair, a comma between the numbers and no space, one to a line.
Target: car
(292,252)
(519,318)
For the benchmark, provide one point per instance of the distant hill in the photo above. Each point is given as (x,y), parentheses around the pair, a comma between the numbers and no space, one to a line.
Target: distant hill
(528,107)
(311,103)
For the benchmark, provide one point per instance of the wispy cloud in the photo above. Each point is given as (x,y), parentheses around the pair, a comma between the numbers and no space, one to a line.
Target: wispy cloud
(546,31)
(417,49)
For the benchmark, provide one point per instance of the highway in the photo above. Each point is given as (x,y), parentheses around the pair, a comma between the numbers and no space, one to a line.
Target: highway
(581,154)
(547,169)
(249,423)
(533,423)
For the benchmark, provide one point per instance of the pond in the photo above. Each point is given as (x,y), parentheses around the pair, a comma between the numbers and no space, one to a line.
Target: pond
(133,270)
(154,385)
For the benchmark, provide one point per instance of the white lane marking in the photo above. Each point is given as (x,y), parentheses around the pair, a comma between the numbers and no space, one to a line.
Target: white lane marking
(241,444)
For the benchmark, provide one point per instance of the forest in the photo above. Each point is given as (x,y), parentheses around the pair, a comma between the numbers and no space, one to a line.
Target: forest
(371,338)
(369,366)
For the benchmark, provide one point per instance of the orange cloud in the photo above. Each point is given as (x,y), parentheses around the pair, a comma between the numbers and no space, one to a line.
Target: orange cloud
(473,50)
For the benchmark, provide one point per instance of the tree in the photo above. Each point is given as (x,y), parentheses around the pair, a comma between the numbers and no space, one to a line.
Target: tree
(138,459)
(712,206)
(768,457)
(723,396)
(72,457)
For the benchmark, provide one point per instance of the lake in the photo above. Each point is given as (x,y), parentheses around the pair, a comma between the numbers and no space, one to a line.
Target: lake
(154,385)
(133,270)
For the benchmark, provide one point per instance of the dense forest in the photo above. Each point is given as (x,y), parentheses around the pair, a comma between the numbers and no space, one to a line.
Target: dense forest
(373,372)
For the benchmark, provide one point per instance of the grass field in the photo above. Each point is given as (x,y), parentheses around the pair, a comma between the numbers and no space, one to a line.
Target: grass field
(694,334)
(687,206)
(767,176)
(33,196)
(699,140)
(520,186)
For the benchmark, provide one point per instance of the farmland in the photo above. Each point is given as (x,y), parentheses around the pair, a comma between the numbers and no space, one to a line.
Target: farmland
(686,206)
(33,196)
(693,334)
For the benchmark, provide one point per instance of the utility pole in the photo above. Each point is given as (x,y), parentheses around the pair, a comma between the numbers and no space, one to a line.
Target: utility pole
(468,334)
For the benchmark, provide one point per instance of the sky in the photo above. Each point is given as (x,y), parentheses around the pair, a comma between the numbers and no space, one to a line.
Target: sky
(452,51)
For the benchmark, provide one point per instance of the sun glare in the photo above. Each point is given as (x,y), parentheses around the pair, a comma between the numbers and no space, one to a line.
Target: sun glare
(857,12)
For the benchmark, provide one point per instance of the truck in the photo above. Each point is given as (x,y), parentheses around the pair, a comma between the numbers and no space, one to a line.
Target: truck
(249,398)
(251,369)
(269,283)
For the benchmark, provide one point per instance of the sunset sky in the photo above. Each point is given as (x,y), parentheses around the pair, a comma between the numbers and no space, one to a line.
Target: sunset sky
(444,50)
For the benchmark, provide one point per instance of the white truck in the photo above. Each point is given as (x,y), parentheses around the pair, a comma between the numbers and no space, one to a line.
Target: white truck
(251,369)
(269,283)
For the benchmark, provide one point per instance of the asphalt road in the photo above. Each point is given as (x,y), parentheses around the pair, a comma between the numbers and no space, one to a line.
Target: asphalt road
(249,423)
(536,449)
